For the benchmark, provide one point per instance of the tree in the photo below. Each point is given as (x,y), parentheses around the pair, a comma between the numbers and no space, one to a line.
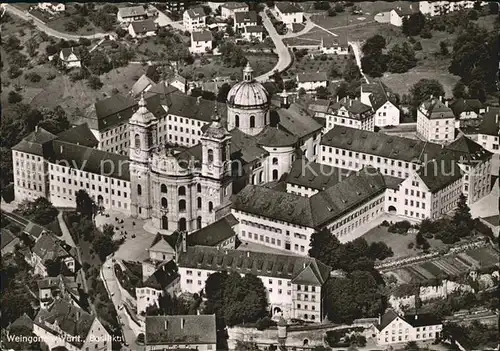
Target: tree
(108,230)
(339,7)
(40,210)
(12,43)
(99,63)
(443,48)
(332,12)
(104,246)
(25,334)
(374,65)
(14,71)
(417,46)
(14,305)
(412,346)
(222,92)
(324,247)
(54,121)
(84,204)
(232,54)
(14,97)
(424,88)
(94,83)
(401,58)
(379,250)
(322,93)
(414,24)
(351,70)
(31,46)
(462,218)
(459,90)
(321,5)
(374,45)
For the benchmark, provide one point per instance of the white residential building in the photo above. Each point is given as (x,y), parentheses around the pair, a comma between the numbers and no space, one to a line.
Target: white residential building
(393,328)
(399,13)
(350,113)
(487,133)
(243,20)
(294,283)
(384,104)
(201,42)
(69,58)
(194,19)
(466,110)
(142,29)
(228,9)
(289,13)
(126,15)
(252,33)
(436,8)
(435,121)
(334,46)
(311,81)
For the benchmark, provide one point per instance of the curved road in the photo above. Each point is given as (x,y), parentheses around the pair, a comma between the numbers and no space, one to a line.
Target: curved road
(52,32)
(284,57)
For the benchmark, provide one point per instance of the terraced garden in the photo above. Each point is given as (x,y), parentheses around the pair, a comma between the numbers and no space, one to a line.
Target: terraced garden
(452,265)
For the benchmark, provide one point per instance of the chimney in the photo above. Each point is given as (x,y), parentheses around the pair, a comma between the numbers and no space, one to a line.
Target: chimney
(379,319)
(166,325)
(182,323)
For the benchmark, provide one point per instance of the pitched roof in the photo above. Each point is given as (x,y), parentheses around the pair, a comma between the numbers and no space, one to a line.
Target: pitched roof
(465,105)
(380,94)
(254,29)
(37,142)
(354,106)
(23,321)
(48,282)
(113,105)
(142,84)
(296,121)
(7,237)
(314,175)
(467,150)
(436,109)
(287,7)
(66,52)
(71,319)
(80,135)
(330,42)
(312,77)
(205,35)
(245,147)
(163,277)
(180,329)
(275,137)
(132,11)
(86,159)
(196,12)
(257,263)
(386,319)
(490,125)
(48,248)
(215,233)
(196,108)
(234,5)
(317,210)
(244,17)
(319,105)
(441,172)
(380,144)
(405,10)
(33,229)
(111,111)
(163,243)
(145,26)
(422,319)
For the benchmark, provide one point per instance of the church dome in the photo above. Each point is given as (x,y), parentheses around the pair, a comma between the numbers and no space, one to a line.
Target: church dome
(248,93)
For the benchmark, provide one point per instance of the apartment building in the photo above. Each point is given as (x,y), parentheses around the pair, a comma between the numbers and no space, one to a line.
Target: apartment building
(194,19)
(435,121)
(349,112)
(383,102)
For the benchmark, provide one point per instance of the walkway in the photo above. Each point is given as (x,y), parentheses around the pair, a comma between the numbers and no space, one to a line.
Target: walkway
(52,32)
(284,57)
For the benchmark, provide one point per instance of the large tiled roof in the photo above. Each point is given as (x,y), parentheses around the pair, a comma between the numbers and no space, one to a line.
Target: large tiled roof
(111,111)
(490,125)
(142,84)
(163,277)
(132,11)
(205,35)
(234,5)
(180,330)
(353,106)
(66,52)
(23,321)
(72,320)
(312,77)
(436,109)
(37,143)
(7,237)
(244,17)
(314,175)
(79,135)
(145,26)
(254,29)
(386,319)
(196,12)
(380,94)
(258,263)
(441,172)
(465,105)
(421,319)
(48,282)
(48,248)
(287,7)
(245,147)
(296,121)
(380,144)
(317,210)
(215,233)
(196,108)
(467,150)
(275,137)
(90,160)
(319,105)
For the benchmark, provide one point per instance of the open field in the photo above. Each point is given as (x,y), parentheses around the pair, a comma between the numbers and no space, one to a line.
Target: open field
(450,265)
(308,64)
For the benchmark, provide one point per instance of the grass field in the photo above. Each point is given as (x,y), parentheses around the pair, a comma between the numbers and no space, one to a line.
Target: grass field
(308,64)
(397,242)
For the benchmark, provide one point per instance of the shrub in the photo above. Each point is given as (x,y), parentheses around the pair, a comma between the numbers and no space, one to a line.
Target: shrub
(399,227)
(264,323)
(8,193)
(14,97)
(33,77)
(385,223)
(411,245)
(51,76)
(417,46)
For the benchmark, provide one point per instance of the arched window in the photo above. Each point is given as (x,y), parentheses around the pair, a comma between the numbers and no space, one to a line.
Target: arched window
(275,174)
(182,224)
(181,191)
(210,206)
(252,121)
(164,222)
(314,150)
(137,141)
(198,223)
(182,205)
(236,121)
(164,202)
(198,201)
(198,188)
(260,176)
(163,188)
(275,160)
(210,154)
(253,179)
(139,189)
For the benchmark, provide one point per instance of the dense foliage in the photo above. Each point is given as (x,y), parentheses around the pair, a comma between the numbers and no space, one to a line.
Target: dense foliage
(40,210)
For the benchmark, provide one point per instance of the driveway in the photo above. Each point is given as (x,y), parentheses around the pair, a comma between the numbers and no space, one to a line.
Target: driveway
(52,32)
(163,20)
(284,57)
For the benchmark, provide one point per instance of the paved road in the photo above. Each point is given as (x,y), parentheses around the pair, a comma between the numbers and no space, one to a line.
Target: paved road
(357,54)
(52,32)
(163,20)
(284,57)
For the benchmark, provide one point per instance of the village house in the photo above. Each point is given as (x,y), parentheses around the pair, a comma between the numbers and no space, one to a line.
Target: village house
(229,9)
(143,84)
(334,46)
(142,29)
(466,110)
(244,19)
(194,19)
(8,241)
(393,328)
(131,14)
(399,13)
(201,42)
(435,121)
(350,113)
(69,58)
(52,7)
(181,332)
(289,13)
(383,101)
(49,248)
(51,288)
(253,33)
(311,81)
(487,132)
